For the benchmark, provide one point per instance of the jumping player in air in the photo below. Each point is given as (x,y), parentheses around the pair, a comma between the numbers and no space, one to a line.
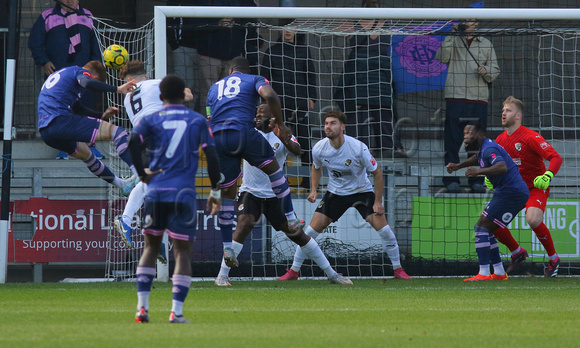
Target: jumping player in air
(528,150)
(231,108)
(173,137)
(144,100)
(348,161)
(66,125)
(510,196)
(256,198)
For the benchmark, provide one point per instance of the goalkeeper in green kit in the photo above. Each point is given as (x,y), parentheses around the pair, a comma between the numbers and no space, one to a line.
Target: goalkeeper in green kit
(528,149)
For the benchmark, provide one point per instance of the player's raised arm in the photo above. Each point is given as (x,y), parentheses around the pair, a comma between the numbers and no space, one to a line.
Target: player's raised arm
(271,97)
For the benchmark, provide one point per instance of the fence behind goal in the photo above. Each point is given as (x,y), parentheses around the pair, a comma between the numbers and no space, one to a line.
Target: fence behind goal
(537,53)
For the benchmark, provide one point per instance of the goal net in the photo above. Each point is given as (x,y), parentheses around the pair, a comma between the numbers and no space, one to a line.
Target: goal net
(122,261)
(379,67)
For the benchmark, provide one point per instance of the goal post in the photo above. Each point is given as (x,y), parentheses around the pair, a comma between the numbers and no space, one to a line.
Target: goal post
(537,50)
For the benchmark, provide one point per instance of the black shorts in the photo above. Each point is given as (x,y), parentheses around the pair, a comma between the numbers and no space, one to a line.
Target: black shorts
(334,206)
(247,203)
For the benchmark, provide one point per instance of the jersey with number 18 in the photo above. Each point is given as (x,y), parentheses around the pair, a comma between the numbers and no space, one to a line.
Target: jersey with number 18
(232,101)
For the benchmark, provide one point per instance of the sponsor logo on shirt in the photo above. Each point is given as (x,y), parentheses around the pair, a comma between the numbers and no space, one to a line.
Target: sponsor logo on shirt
(373,161)
(518,161)
(518,146)
(544,145)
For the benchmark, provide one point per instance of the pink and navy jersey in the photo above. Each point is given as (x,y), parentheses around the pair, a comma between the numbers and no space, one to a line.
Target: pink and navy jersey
(173,137)
(492,153)
(232,101)
(59,93)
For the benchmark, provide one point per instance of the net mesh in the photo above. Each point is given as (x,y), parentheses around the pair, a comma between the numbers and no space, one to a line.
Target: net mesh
(434,229)
(121,261)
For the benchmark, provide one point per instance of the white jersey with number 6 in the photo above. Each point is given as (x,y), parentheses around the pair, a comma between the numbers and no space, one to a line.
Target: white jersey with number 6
(144,100)
(347,166)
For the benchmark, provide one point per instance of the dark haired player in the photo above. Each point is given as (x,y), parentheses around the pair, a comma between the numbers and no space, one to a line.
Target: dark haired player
(231,107)
(257,198)
(510,196)
(348,161)
(66,125)
(172,137)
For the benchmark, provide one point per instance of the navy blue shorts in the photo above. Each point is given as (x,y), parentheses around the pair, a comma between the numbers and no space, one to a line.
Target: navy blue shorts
(178,219)
(63,132)
(504,206)
(334,206)
(234,145)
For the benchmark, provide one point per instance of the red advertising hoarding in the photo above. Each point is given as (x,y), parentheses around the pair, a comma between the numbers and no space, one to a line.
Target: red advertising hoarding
(66,231)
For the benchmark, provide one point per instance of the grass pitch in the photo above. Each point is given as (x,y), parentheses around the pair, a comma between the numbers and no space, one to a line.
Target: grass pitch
(435,312)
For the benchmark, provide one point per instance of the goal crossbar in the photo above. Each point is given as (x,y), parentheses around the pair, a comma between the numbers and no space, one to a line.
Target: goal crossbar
(162,12)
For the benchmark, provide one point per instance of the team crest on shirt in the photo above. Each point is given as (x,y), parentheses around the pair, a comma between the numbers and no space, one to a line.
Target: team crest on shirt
(347,162)
(518,146)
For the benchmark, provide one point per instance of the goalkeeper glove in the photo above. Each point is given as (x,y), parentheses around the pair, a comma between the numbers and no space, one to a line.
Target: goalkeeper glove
(543,181)
(488,183)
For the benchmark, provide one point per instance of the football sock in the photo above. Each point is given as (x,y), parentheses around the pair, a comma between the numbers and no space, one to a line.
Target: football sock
(517,250)
(495,258)
(282,191)
(120,139)
(144,277)
(498,269)
(482,248)
(99,169)
(312,250)
(504,235)
(299,255)
(226,220)
(180,289)
(134,202)
(390,245)
(224,269)
(543,234)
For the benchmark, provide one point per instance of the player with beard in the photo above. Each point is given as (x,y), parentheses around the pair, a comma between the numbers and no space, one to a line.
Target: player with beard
(257,197)
(348,161)
(510,196)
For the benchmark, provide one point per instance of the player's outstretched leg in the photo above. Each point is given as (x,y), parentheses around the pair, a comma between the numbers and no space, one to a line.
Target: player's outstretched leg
(391,247)
(308,247)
